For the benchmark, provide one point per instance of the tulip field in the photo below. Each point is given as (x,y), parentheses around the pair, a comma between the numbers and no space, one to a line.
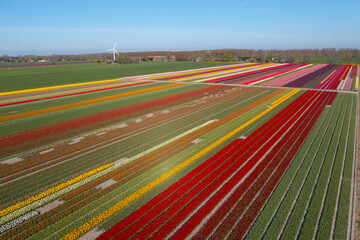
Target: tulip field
(319,76)
(241,151)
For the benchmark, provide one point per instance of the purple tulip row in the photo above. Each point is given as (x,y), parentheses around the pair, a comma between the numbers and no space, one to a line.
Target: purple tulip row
(312,76)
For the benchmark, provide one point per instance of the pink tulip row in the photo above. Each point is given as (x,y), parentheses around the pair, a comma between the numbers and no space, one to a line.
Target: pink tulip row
(179,210)
(273,75)
(346,83)
(280,81)
(333,81)
(183,71)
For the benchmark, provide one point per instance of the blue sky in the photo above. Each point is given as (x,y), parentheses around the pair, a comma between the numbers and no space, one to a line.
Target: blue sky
(46,27)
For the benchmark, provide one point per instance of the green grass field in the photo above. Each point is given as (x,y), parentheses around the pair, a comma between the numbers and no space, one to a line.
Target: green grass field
(43,76)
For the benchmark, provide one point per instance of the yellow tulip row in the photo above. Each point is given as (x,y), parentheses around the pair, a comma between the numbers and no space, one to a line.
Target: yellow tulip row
(56,87)
(232,72)
(52,190)
(82,103)
(283,98)
(222,71)
(123,203)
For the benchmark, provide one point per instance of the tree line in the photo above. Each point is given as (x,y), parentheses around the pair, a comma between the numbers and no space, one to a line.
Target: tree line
(325,55)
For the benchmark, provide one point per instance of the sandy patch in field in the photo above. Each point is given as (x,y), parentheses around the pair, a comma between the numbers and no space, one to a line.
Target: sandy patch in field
(138,120)
(122,125)
(117,162)
(50,206)
(76,140)
(195,141)
(106,184)
(92,234)
(47,150)
(100,133)
(12,160)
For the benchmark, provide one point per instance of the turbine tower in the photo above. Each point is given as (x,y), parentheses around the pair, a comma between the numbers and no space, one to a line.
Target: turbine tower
(114,51)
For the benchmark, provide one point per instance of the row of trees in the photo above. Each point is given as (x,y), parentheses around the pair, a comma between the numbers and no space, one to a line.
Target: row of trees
(325,55)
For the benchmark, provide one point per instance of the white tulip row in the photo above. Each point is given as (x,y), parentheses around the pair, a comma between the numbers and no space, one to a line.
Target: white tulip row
(18,221)
(41,202)
(142,154)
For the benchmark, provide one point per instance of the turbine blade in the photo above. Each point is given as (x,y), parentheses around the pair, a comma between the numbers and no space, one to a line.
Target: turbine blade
(109,50)
(115,45)
(116,52)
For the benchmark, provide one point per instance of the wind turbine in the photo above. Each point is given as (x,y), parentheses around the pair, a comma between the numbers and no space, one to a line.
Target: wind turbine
(114,51)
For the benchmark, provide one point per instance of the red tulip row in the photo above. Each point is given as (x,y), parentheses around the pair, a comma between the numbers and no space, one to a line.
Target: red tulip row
(173,189)
(274,73)
(87,144)
(253,156)
(334,79)
(53,132)
(187,190)
(38,161)
(248,200)
(85,194)
(139,166)
(335,83)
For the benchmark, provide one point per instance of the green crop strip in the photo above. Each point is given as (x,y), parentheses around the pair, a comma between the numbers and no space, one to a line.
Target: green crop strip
(300,208)
(44,76)
(342,218)
(328,211)
(313,212)
(295,170)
